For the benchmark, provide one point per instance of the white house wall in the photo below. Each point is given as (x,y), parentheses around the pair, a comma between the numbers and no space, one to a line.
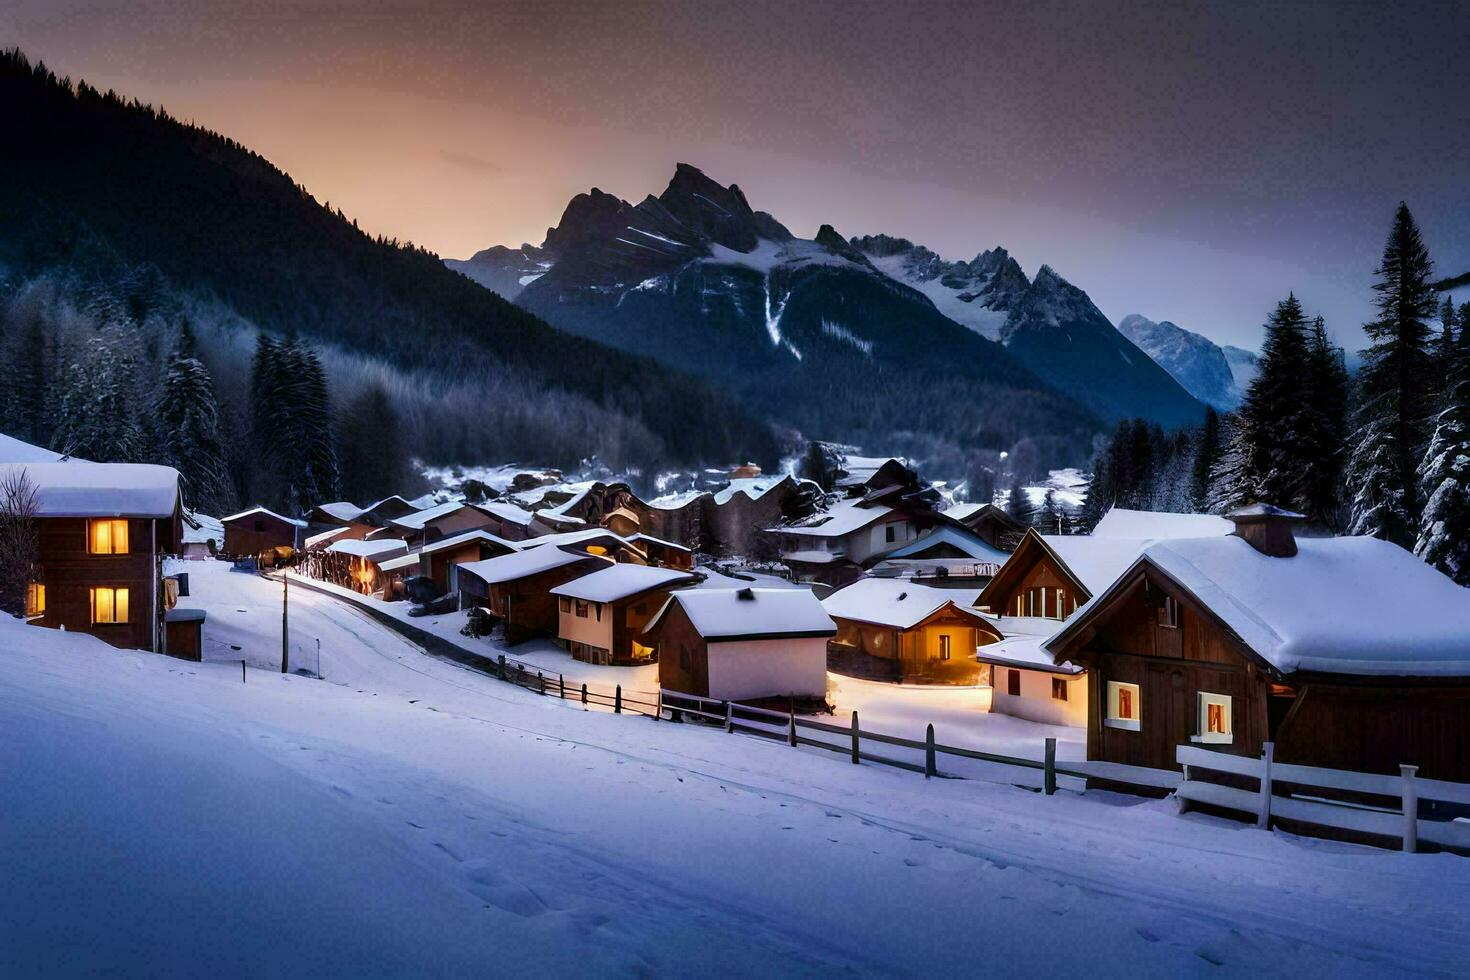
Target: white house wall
(1035,702)
(747,669)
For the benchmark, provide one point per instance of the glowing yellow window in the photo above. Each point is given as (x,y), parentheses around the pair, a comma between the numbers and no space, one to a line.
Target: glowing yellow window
(596,549)
(35,599)
(109,605)
(107,537)
(1123,706)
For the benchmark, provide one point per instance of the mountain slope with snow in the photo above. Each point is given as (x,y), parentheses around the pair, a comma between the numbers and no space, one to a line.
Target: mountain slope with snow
(1244,366)
(978,294)
(1196,362)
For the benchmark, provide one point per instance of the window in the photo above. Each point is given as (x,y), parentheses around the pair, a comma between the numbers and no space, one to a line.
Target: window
(35,599)
(1013,683)
(596,549)
(597,608)
(890,533)
(1061,603)
(1214,719)
(109,605)
(581,609)
(107,537)
(943,646)
(1058,689)
(1124,709)
(1020,609)
(1169,613)
(564,603)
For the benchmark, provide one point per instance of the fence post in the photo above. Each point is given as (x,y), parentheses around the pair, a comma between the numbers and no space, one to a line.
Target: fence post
(541,683)
(561,683)
(1411,809)
(930,769)
(1049,768)
(791,729)
(584,693)
(520,675)
(1263,817)
(729,717)
(242,672)
(618,700)
(502,666)
(658,706)
(854,738)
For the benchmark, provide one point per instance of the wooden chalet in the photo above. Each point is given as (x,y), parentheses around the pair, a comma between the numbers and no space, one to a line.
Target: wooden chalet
(990,524)
(742,644)
(440,560)
(441,521)
(833,547)
(593,540)
(946,556)
(1347,653)
(257,531)
(102,531)
(667,554)
(601,616)
(517,587)
(906,633)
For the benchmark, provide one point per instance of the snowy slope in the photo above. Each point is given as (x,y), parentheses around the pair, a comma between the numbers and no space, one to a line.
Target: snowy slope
(417,818)
(978,294)
(1196,362)
(1244,365)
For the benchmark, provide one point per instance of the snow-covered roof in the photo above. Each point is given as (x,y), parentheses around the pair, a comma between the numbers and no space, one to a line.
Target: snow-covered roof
(860,469)
(572,538)
(342,510)
(266,512)
(620,582)
(1122,523)
(376,549)
(1351,605)
(12,450)
(78,489)
(811,556)
(754,487)
(418,519)
(673,501)
(464,537)
(842,519)
(324,536)
(660,541)
(199,528)
(1096,562)
(519,564)
(961,539)
(961,511)
(896,602)
(737,614)
(1025,650)
(402,561)
(508,512)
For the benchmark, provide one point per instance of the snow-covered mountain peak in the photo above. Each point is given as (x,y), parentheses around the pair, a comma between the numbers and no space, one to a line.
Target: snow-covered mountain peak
(1196,362)
(976,294)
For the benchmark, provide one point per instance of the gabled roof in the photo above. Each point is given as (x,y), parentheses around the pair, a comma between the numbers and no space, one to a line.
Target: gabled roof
(754,487)
(199,528)
(402,561)
(726,615)
(844,518)
(622,581)
(966,541)
(465,537)
(660,541)
(261,510)
(342,510)
(508,512)
(1121,523)
(899,604)
(417,520)
(324,536)
(1354,606)
(12,450)
(374,549)
(582,537)
(78,489)
(521,564)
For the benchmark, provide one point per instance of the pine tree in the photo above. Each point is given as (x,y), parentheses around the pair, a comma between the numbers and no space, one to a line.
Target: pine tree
(312,466)
(98,418)
(1018,502)
(1444,478)
(188,415)
(371,454)
(1206,456)
(1444,349)
(1325,386)
(1272,427)
(1395,402)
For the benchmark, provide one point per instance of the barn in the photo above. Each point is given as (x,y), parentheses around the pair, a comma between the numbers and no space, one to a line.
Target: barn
(257,530)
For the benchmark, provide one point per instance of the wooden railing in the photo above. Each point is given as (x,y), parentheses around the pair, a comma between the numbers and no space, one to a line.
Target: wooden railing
(1379,805)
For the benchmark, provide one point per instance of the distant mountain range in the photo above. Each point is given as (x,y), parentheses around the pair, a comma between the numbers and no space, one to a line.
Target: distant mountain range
(1196,362)
(868,340)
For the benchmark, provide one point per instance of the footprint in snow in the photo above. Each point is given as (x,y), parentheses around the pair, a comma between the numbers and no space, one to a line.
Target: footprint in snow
(1146,936)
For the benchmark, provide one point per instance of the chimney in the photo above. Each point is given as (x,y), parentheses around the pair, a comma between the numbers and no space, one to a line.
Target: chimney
(1266,528)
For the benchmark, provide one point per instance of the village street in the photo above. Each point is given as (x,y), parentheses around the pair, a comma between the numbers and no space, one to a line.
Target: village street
(411,814)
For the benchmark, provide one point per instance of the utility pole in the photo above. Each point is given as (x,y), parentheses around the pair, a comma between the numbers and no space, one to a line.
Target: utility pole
(285,629)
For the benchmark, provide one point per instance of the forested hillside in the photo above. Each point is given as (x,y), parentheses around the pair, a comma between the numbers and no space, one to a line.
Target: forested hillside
(116,218)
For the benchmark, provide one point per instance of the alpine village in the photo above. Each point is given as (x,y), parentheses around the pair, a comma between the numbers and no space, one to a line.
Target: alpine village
(822,509)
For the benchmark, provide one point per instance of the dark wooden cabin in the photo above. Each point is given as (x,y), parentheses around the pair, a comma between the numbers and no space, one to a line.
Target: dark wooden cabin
(258,530)
(601,615)
(991,524)
(1229,642)
(517,587)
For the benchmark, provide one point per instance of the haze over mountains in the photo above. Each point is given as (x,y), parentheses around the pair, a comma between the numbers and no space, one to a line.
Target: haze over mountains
(855,339)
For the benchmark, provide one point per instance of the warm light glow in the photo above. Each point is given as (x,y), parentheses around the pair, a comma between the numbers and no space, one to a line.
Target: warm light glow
(35,599)
(109,605)
(1124,706)
(1214,718)
(596,549)
(107,537)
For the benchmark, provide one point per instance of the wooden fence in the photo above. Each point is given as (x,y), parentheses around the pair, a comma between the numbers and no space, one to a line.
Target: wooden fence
(1376,805)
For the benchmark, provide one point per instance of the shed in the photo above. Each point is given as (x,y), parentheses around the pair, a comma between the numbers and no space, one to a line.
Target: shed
(257,530)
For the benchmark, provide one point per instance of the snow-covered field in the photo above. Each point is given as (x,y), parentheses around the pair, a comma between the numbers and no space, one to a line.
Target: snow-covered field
(408,815)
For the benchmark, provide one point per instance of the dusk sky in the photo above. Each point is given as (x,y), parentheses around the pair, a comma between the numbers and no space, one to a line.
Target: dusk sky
(1191,162)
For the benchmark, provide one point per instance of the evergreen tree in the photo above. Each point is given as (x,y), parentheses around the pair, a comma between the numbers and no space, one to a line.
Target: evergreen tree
(98,417)
(188,416)
(372,457)
(312,469)
(1273,428)
(816,465)
(1018,502)
(1444,478)
(25,384)
(1206,455)
(1324,397)
(1444,348)
(1395,402)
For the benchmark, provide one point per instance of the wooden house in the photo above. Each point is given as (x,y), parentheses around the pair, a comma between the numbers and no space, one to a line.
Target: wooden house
(258,530)
(441,559)
(945,556)
(356,563)
(742,644)
(1347,653)
(517,587)
(832,547)
(989,523)
(594,541)
(904,632)
(600,616)
(102,532)
(667,554)
(441,521)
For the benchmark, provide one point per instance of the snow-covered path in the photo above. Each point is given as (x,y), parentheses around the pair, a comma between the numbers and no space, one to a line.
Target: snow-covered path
(409,815)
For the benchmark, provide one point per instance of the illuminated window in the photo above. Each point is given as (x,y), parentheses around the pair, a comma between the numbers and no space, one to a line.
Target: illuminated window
(1124,709)
(1214,719)
(1020,610)
(1013,683)
(596,549)
(1169,613)
(1058,689)
(35,599)
(943,646)
(109,605)
(107,537)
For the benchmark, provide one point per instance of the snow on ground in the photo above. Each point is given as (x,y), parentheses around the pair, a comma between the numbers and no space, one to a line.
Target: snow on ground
(408,815)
